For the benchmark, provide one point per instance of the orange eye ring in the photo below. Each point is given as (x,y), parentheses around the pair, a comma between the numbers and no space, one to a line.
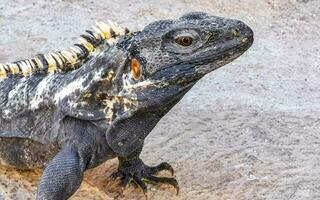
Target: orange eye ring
(136,69)
(184,41)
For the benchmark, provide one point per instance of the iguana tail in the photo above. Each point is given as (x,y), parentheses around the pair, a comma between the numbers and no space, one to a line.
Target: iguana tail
(93,41)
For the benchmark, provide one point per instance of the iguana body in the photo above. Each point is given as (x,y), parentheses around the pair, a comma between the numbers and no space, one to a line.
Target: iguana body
(73,121)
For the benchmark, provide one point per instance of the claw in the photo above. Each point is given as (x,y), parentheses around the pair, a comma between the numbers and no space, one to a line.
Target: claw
(141,184)
(135,170)
(162,166)
(171,181)
(126,180)
(116,175)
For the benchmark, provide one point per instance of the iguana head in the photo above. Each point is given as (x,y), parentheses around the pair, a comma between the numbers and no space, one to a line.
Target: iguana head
(167,57)
(163,62)
(155,67)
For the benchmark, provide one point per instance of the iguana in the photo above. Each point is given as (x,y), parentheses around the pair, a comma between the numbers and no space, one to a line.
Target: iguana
(70,121)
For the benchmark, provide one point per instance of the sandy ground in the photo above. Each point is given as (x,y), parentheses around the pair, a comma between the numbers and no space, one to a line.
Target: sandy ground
(249,130)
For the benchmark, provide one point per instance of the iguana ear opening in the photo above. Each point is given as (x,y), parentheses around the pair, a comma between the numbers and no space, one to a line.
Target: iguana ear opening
(136,69)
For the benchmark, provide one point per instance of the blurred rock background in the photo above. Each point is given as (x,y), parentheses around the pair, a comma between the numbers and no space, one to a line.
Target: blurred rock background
(249,130)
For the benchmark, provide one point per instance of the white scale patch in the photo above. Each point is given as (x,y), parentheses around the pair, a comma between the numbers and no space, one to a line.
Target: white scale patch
(90,115)
(70,88)
(127,84)
(19,93)
(127,91)
(79,87)
(6,112)
(40,92)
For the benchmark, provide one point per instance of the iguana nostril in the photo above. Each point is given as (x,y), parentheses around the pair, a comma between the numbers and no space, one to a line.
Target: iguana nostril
(245,40)
(236,32)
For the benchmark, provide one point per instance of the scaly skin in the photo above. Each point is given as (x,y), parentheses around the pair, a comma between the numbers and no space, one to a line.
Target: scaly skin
(70,122)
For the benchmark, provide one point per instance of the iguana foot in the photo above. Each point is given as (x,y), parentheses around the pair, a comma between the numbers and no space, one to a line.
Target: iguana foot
(135,170)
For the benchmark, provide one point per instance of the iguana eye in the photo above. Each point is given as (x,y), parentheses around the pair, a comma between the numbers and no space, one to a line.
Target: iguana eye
(184,41)
(136,69)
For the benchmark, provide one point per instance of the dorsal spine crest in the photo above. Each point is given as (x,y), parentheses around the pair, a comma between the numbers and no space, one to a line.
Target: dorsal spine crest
(72,58)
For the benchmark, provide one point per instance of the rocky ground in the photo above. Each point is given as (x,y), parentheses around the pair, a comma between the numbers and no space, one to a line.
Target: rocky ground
(249,130)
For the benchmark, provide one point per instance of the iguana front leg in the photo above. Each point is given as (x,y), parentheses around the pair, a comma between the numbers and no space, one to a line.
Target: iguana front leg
(63,175)
(132,168)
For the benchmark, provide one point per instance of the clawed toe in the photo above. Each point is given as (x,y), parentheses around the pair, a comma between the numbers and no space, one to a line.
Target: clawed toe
(116,175)
(126,180)
(140,183)
(167,180)
(161,167)
(140,174)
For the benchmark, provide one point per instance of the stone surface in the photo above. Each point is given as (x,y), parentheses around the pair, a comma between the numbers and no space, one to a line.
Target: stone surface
(249,130)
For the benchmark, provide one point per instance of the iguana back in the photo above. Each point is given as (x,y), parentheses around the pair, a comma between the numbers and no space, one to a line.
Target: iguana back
(89,44)
(28,86)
